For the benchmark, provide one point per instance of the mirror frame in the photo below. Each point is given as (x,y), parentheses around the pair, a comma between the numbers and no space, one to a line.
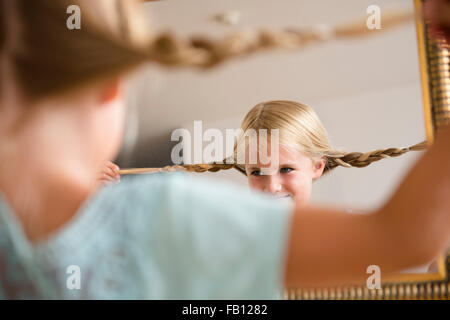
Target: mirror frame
(434,62)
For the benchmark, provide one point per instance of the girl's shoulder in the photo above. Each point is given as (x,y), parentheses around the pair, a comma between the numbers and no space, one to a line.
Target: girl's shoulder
(136,238)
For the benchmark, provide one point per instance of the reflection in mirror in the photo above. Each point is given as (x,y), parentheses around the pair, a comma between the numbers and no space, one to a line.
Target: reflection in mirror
(351,105)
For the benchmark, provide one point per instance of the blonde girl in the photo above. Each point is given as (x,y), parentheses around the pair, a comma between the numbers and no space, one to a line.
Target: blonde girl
(305,152)
(164,235)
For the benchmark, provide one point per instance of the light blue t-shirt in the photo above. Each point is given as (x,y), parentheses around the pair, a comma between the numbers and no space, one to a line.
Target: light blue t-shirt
(160,236)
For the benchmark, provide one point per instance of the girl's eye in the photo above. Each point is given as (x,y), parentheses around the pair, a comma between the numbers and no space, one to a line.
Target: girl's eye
(256,173)
(286,170)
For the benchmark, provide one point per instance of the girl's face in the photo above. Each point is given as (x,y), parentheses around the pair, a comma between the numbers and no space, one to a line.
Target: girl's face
(293,177)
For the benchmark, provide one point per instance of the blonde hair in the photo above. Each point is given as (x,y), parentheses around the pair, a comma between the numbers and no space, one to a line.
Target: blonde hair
(300,128)
(47,58)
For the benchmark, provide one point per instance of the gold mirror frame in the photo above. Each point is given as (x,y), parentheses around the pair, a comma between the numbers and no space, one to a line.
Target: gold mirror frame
(434,60)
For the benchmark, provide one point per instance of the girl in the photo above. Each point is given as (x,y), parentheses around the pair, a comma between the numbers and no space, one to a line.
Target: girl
(161,236)
(305,151)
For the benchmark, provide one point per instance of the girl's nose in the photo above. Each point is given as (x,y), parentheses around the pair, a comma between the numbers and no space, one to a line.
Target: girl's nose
(273,184)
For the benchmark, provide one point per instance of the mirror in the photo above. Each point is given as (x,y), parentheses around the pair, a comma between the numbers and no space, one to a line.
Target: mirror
(371,91)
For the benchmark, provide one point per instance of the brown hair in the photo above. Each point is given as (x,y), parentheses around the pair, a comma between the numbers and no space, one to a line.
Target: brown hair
(47,58)
(2,26)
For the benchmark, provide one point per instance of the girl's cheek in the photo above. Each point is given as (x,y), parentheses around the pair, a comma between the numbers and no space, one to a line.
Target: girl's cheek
(255,183)
(296,183)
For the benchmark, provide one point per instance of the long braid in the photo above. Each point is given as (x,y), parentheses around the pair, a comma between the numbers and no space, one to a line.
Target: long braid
(208,167)
(202,52)
(348,160)
(360,160)
(115,39)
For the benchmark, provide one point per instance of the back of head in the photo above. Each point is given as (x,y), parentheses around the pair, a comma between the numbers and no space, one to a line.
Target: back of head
(2,25)
(46,57)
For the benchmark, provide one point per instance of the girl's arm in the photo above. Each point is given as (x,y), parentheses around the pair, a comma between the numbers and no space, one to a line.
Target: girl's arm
(328,247)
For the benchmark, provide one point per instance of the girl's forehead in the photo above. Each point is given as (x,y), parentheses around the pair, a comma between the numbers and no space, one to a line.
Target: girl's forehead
(287,154)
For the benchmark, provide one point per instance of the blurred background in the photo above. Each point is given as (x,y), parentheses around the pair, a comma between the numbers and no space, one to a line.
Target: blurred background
(366,91)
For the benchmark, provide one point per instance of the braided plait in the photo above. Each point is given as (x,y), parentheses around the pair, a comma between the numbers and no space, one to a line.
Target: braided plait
(352,159)
(202,52)
(360,160)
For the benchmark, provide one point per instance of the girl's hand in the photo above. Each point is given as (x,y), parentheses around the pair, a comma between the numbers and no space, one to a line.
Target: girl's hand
(109,174)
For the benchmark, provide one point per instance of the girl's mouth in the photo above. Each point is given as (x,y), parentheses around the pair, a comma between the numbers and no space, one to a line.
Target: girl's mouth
(283,196)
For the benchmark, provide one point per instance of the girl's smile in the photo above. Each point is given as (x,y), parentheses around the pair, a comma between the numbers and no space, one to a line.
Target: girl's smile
(292,179)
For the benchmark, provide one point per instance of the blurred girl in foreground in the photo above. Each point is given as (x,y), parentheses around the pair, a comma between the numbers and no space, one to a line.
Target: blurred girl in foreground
(164,235)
